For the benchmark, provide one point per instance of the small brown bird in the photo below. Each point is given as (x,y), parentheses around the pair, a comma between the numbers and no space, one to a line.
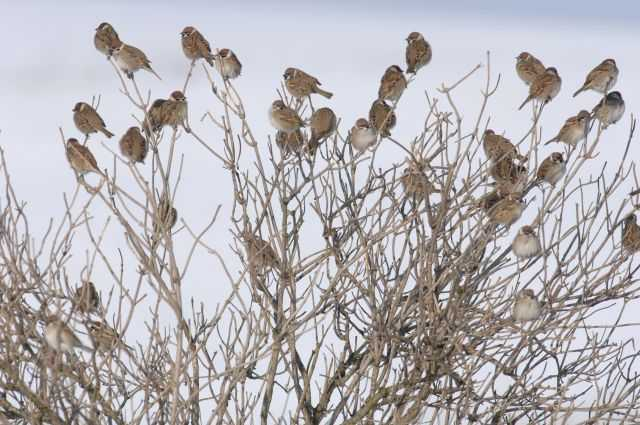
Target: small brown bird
(195,46)
(418,53)
(322,124)
(544,88)
(80,158)
(631,234)
(498,147)
(130,59)
(610,109)
(106,39)
(528,67)
(601,78)
(415,182)
(172,112)
(574,130)
(60,337)
(382,117)
(166,216)
(86,299)
(284,118)
(392,84)
(300,84)
(362,135)
(526,307)
(509,177)
(290,142)
(526,244)
(261,255)
(133,145)
(507,211)
(489,200)
(88,121)
(552,169)
(105,338)
(227,64)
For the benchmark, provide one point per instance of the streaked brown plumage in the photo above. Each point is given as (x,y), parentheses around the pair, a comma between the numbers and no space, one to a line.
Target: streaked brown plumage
(418,53)
(300,84)
(631,234)
(392,84)
(488,200)
(166,217)
(601,78)
(61,337)
(544,88)
(88,121)
(507,211)
(498,147)
(130,59)
(172,112)
(80,158)
(290,142)
(509,177)
(528,67)
(260,253)
(227,64)
(415,182)
(133,145)
(382,117)
(86,299)
(105,338)
(323,123)
(284,118)
(195,46)
(574,129)
(552,169)
(106,39)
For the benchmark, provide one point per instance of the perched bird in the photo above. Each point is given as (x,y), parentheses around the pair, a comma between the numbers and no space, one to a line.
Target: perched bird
(133,145)
(418,53)
(80,158)
(489,200)
(507,211)
(172,112)
(227,64)
(610,109)
(88,121)
(631,234)
(290,142)
(362,135)
(509,177)
(284,118)
(528,67)
(323,123)
(415,182)
(526,243)
(106,39)
(601,78)
(105,338)
(261,255)
(130,59)
(300,84)
(392,84)
(544,88)
(382,117)
(86,299)
(574,130)
(527,307)
(60,337)
(498,147)
(552,169)
(166,216)
(195,46)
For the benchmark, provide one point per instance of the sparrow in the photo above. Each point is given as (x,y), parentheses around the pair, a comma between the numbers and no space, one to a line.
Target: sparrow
(498,147)
(528,67)
(415,182)
(509,177)
(106,39)
(133,145)
(545,87)
(526,243)
(300,84)
(392,84)
(261,255)
(551,169)
(284,118)
(171,112)
(60,337)
(601,78)
(507,211)
(362,135)
(382,117)
(323,123)
(527,307)
(290,142)
(80,158)
(130,59)
(227,64)
(631,234)
(86,298)
(418,52)
(489,200)
(195,46)
(104,337)
(88,121)
(166,216)
(574,130)
(610,109)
